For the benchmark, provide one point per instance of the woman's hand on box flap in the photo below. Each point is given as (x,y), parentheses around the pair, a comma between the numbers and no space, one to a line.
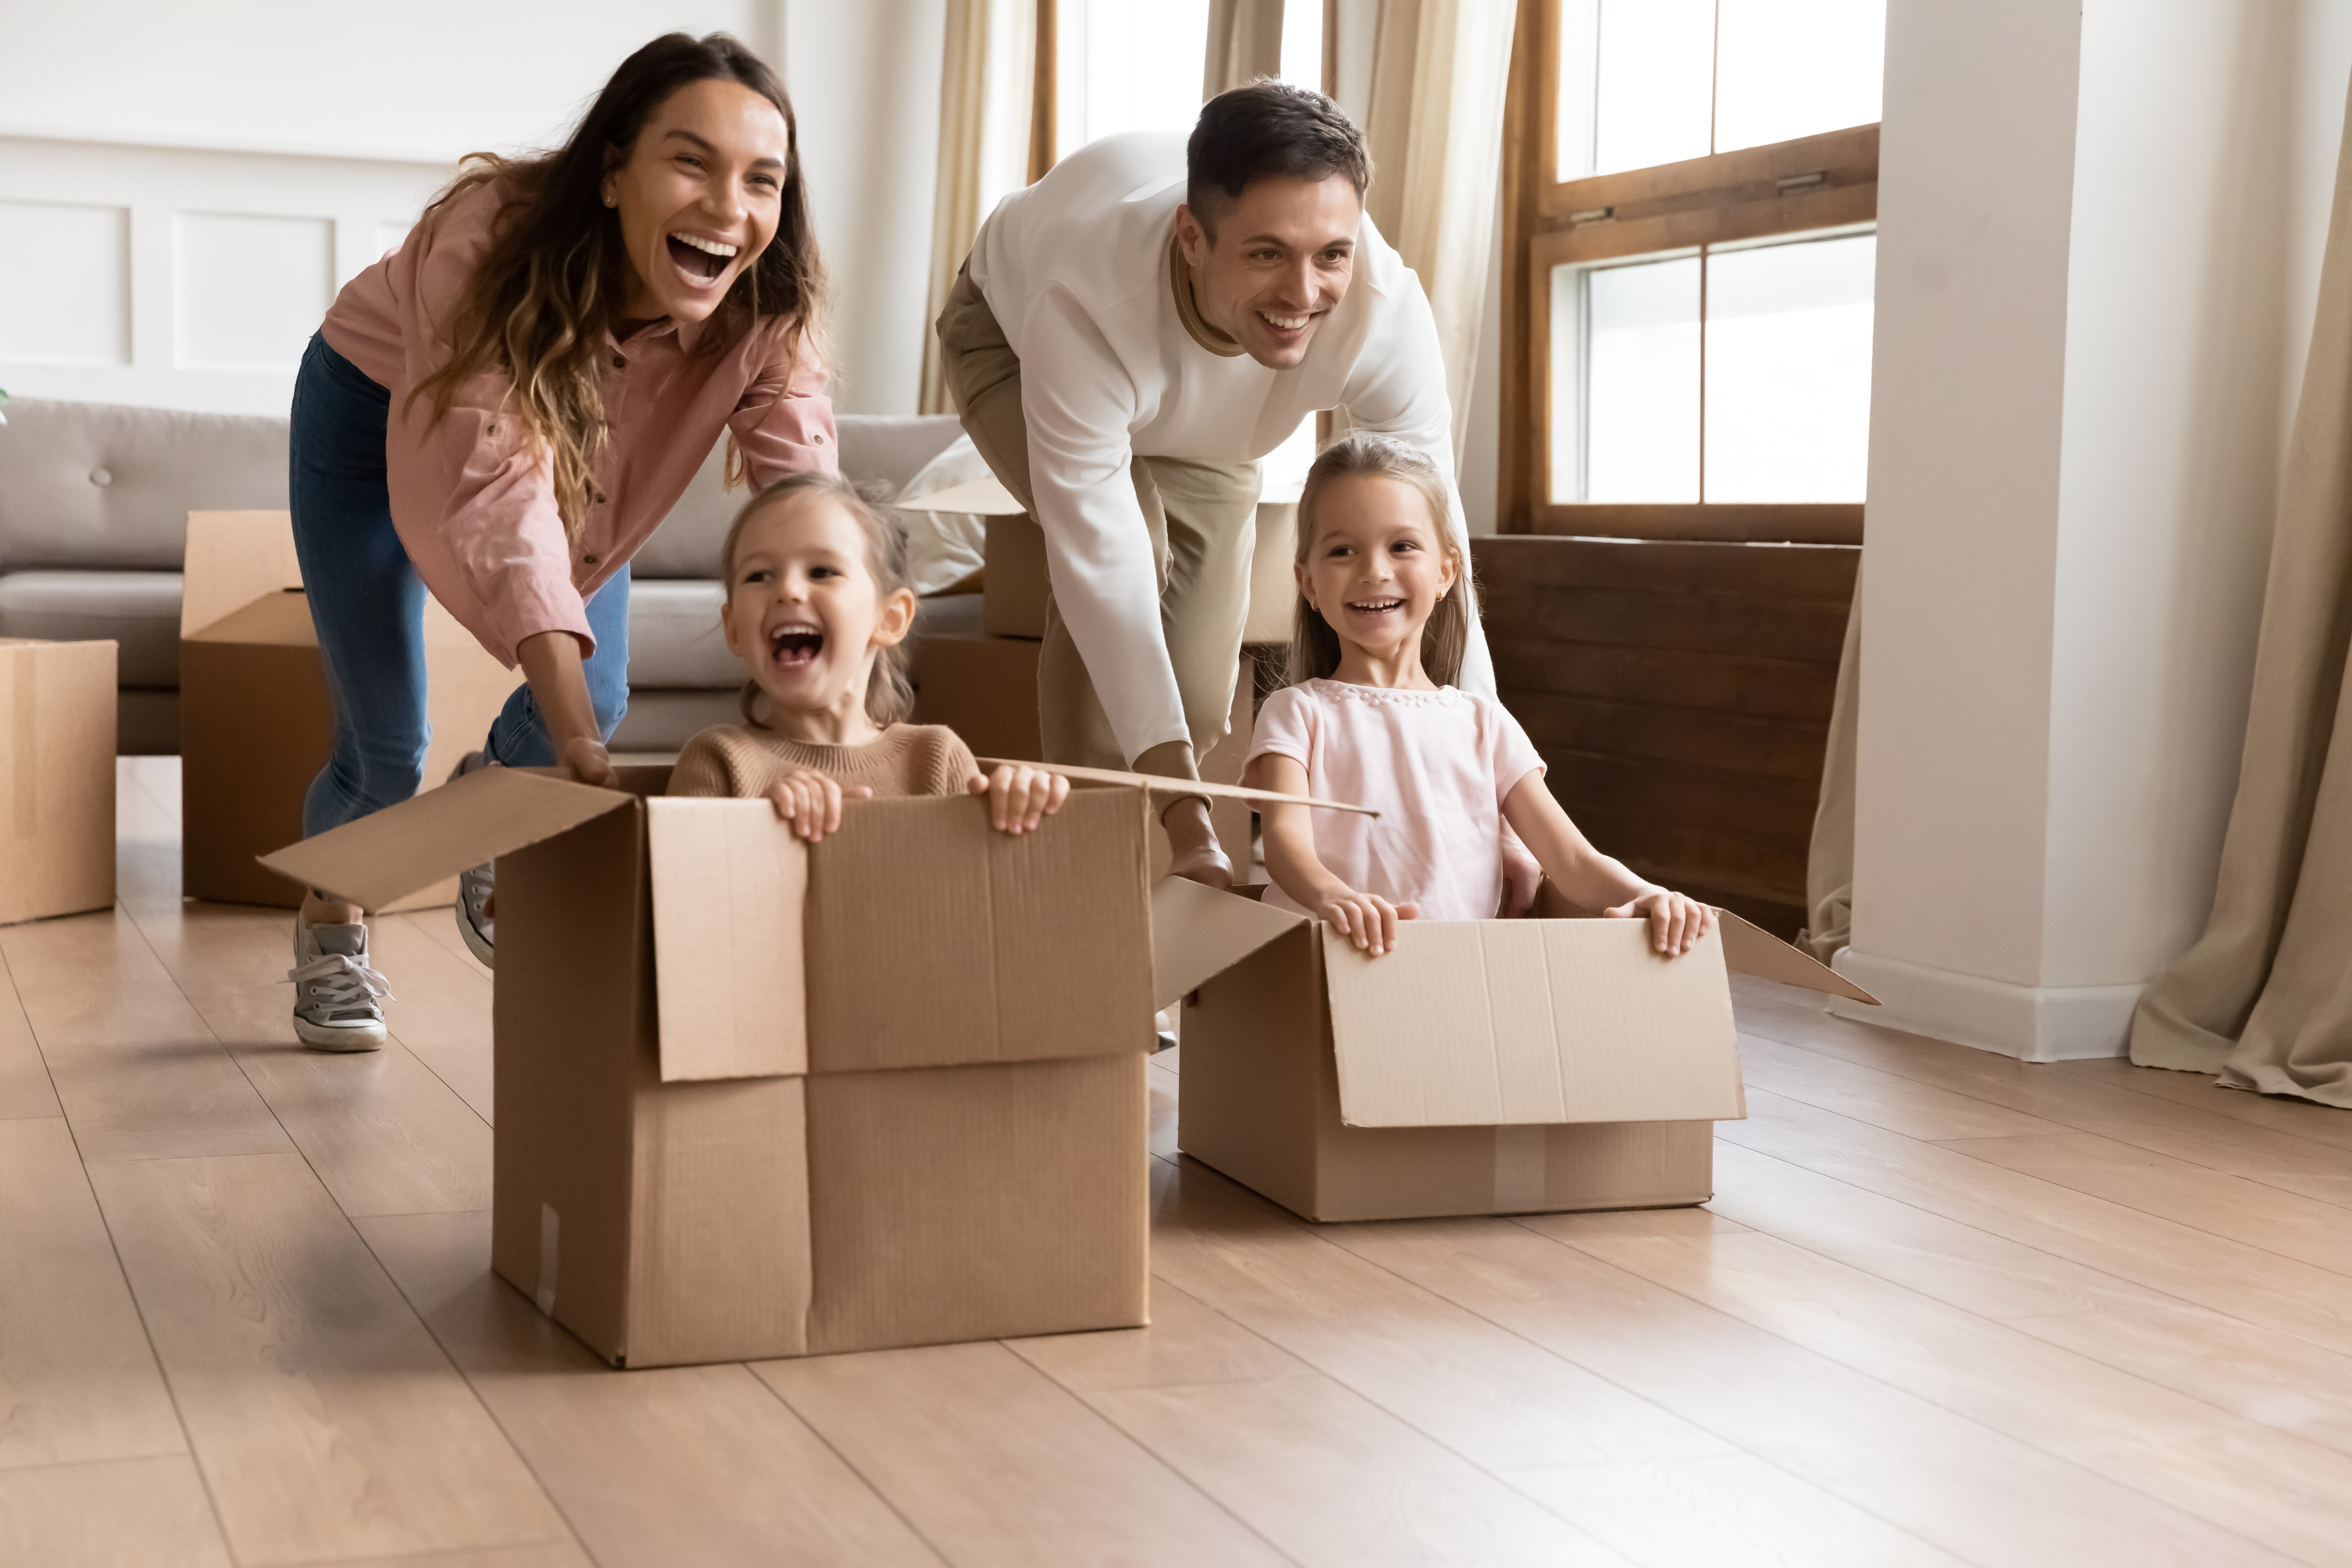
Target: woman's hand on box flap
(811,802)
(588,761)
(1368,919)
(1677,921)
(1020,797)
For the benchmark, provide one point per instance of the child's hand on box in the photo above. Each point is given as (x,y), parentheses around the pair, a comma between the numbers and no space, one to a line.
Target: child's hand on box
(1020,797)
(811,802)
(1369,920)
(1677,921)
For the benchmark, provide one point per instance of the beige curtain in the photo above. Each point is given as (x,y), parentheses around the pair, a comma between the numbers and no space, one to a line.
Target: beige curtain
(1829,864)
(1440,72)
(1244,43)
(2264,997)
(985,94)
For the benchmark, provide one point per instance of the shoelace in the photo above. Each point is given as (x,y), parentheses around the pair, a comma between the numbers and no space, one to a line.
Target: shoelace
(342,981)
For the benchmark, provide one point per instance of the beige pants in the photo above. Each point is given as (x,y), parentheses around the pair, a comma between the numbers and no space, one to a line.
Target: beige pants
(1203,523)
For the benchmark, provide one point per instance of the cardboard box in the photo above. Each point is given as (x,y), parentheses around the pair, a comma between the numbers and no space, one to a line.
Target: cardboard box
(1480,1066)
(1014,586)
(983,688)
(256,721)
(57,778)
(762,1098)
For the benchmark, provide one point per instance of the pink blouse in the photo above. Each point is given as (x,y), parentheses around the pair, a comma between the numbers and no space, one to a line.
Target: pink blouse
(470,499)
(1437,765)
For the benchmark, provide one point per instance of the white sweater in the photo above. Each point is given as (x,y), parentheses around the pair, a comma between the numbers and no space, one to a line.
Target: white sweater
(1076,270)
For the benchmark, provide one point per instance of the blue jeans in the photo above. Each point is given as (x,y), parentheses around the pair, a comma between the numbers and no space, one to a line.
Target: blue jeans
(367,604)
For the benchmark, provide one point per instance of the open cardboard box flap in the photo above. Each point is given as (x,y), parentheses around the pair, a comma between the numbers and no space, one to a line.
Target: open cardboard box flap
(485,814)
(1501,1022)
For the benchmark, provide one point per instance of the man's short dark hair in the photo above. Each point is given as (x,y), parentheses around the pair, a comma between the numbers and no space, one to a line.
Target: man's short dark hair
(1268,129)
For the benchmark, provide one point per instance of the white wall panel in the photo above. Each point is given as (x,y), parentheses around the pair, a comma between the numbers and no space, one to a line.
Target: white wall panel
(247,292)
(219,267)
(65,283)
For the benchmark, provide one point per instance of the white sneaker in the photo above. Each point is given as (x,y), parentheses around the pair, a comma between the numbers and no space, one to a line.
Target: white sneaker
(474,887)
(335,992)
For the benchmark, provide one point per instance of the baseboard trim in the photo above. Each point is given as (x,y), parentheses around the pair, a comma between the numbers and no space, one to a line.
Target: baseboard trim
(2031,1023)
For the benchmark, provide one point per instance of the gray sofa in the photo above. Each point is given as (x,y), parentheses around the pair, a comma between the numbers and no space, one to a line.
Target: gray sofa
(94,500)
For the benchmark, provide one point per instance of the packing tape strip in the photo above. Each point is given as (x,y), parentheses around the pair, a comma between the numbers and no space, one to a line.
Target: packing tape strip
(24,747)
(1519,1169)
(549,1225)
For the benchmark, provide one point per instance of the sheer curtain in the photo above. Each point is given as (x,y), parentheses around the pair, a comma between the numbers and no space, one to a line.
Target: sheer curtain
(1244,43)
(985,98)
(2263,1000)
(1441,70)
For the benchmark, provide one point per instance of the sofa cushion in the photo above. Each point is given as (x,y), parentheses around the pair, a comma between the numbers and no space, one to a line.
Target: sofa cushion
(97,485)
(139,610)
(674,636)
(879,449)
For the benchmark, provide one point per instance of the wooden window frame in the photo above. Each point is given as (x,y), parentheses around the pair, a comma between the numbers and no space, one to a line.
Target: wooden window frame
(1822,181)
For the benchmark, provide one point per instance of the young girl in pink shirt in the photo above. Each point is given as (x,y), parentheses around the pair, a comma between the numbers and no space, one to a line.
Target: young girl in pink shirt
(1371,717)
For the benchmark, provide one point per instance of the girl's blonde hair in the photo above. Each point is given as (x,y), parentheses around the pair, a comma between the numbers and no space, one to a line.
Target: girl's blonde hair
(1314,646)
(551,281)
(889,692)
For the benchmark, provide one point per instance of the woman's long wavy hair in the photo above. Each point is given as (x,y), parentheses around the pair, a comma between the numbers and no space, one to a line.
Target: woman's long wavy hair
(1445,636)
(554,277)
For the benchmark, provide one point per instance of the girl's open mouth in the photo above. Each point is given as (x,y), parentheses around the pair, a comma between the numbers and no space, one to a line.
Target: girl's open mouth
(795,648)
(1377,606)
(702,260)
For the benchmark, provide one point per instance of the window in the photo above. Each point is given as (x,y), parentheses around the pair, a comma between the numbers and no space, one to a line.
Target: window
(1697,187)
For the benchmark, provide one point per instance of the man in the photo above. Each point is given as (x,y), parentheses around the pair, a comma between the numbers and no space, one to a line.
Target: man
(1128,337)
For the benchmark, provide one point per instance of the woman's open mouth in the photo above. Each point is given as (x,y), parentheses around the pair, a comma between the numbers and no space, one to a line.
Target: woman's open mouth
(703,261)
(794,647)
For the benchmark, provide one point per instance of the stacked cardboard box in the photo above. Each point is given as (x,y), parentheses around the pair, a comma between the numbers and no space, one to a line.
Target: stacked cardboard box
(57,778)
(1480,1066)
(256,721)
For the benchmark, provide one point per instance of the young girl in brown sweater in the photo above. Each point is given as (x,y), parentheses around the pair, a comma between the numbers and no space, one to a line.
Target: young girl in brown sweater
(818,609)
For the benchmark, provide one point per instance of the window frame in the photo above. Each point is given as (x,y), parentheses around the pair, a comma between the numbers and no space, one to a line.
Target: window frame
(1826,181)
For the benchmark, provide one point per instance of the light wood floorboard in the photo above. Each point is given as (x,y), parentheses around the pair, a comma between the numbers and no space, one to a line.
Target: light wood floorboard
(114,1513)
(996,1463)
(78,1379)
(697,1465)
(327,1421)
(1945,1308)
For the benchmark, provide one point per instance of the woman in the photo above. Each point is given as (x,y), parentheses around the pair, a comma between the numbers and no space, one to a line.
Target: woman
(502,410)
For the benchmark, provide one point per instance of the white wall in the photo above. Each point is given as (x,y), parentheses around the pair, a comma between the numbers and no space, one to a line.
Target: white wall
(864,80)
(428,80)
(182,187)
(2099,229)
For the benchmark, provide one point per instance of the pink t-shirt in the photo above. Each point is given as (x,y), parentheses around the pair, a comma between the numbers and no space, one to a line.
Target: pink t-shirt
(1437,765)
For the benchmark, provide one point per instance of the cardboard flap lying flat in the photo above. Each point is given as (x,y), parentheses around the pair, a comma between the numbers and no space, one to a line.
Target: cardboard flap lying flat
(273,620)
(1156,785)
(440,833)
(1749,950)
(1198,933)
(234,558)
(729,879)
(1498,1023)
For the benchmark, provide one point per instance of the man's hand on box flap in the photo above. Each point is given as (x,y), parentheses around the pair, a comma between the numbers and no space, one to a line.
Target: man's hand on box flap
(1020,797)
(811,802)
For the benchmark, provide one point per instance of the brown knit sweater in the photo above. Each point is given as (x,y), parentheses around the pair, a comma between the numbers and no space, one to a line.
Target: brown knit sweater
(904,760)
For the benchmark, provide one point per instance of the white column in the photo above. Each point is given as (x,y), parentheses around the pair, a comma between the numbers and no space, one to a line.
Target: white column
(2083,318)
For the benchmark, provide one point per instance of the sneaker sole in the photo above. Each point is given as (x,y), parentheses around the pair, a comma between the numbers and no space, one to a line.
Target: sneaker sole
(341,1038)
(484,953)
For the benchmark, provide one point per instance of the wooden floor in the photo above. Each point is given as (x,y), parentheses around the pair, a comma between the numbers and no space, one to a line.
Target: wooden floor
(1948,1309)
